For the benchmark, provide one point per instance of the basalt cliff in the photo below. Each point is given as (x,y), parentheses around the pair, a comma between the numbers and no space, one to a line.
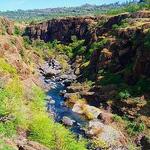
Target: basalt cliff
(117,61)
(102,62)
(125,33)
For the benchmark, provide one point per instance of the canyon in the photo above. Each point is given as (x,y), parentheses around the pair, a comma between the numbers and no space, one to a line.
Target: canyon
(91,29)
(124,53)
(100,93)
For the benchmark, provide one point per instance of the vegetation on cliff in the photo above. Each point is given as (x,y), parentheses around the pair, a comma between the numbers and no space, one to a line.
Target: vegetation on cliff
(110,55)
(33,16)
(22,109)
(116,59)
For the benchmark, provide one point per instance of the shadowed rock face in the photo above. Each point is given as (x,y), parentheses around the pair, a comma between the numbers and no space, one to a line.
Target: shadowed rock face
(120,52)
(83,27)
(63,29)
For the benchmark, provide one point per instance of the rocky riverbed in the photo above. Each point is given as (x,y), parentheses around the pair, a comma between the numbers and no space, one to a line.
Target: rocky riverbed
(82,119)
(56,82)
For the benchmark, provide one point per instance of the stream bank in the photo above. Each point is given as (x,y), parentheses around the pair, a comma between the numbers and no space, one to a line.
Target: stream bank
(94,128)
(56,81)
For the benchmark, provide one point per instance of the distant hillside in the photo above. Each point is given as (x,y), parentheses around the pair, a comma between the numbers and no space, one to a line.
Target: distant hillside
(50,13)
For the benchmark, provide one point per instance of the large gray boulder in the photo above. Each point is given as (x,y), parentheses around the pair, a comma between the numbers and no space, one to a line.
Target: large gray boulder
(106,133)
(67,121)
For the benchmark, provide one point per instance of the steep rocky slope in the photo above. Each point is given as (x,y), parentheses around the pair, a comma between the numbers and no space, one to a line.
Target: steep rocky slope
(93,29)
(24,122)
(63,29)
(113,70)
(118,65)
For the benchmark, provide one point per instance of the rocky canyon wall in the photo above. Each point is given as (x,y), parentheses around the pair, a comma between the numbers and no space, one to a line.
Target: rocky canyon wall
(64,29)
(125,46)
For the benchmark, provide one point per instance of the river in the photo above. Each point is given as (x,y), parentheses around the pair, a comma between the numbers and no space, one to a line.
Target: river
(60,110)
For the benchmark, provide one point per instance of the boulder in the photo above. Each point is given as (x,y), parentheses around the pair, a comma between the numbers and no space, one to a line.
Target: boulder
(106,133)
(70,77)
(67,121)
(68,96)
(95,128)
(78,108)
(49,70)
(48,97)
(62,92)
(74,89)
(106,117)
(90,112)
(54,64)
(52,102)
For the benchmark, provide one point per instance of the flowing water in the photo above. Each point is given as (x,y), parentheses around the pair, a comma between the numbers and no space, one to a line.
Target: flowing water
(60,110)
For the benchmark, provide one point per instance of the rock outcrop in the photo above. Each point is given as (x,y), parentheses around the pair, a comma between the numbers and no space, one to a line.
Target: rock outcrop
(6,26)
(106,133)
(121,52)
(64,29)
(125,56)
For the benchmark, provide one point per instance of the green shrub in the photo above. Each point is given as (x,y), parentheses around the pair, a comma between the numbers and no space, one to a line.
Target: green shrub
(77,47)
(89,83)
(33,117)
(110,78)
(53,135)
(55,43)
(17,31)
(22,53)
(115,26)
(131,7)
(27,42)
(99,45)
(45,50)
(40,129)
(45,131)
(11,98)
(117,118)
(122,24)
(8,129)
(134,128)
(4,146)
(124,94)
(99,144)
(12,108)
(142,86)
(96,46)
(7,68)
(3,102)
(133,146)
(37,103)
(68,51)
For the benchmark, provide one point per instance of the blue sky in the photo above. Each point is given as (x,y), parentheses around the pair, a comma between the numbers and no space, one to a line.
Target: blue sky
(32,4)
